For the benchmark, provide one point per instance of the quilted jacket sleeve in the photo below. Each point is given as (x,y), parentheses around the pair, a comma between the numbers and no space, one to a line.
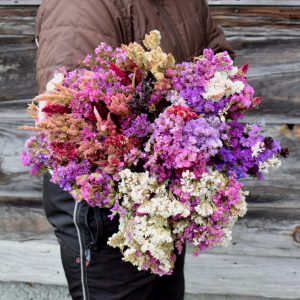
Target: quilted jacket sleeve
(66,30)
(215,35)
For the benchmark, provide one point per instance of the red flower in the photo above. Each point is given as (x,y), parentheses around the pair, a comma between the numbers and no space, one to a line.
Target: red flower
(132,67)
(138,75)
(119,144)
(55,109)
(113,160)
(244,69)
(182,111)
(256,101)
(121,74)
(64,151)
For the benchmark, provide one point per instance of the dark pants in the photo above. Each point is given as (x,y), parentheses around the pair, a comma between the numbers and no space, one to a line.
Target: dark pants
(95,271)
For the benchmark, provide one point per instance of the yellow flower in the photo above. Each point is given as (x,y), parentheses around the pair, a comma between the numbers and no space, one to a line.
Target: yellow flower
(152,40)
(155,60)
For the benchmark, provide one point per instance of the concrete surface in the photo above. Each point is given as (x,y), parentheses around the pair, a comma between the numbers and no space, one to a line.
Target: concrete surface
(28,291)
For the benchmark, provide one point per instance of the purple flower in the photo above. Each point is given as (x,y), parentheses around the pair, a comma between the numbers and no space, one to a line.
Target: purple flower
(139,127)
(65,176)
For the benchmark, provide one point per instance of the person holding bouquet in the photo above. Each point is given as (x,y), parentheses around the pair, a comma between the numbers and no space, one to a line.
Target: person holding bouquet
(65,32)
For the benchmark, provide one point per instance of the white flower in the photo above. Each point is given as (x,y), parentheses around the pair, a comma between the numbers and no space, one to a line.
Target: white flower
(227,238)
(58,78)
(199,219)
(236,87)
(221,85)
(233,71)
(174,97)
(146,227)
(196,242)
(41,116)
(204,209)
(147,235)
(241,208)
(165,205)
(148,146)
(180,226)
(257,148)
(273,162)
(205,187)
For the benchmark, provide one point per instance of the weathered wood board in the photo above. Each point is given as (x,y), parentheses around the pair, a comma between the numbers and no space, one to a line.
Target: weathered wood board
(268,39)
(20,222)
(17,72)
(263,231)
(223,274)
(263,261)
(17,52)
(255,16)
(31,261)
(15,182)
(243,276)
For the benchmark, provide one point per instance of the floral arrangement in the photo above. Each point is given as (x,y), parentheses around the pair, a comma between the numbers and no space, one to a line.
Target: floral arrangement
(160,144)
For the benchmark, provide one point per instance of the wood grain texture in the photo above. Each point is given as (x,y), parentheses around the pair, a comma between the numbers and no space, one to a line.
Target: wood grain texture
(262,231)
(31,261)
(210,273)
(268,234)
(17,52)
(17,72)
(17,24)
(257,16)
(268,39)
(264,258)
(21,222)
(243,276)
(222,297)
(15,182)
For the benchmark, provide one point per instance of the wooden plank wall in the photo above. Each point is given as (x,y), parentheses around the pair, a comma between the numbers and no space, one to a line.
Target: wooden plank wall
(265,34)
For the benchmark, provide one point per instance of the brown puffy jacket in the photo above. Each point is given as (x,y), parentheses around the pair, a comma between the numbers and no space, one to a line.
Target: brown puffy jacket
(67,30)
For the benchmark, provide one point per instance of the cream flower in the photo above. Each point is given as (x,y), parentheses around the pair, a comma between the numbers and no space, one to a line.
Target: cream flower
(272,162)
(146,227)
(221,85)
(152,40)
(174,97)
(41,116)
(204,209)
(58,78)
(257,148)
(155,60)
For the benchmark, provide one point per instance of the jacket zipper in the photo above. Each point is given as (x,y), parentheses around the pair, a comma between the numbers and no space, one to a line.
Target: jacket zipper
(82,251)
